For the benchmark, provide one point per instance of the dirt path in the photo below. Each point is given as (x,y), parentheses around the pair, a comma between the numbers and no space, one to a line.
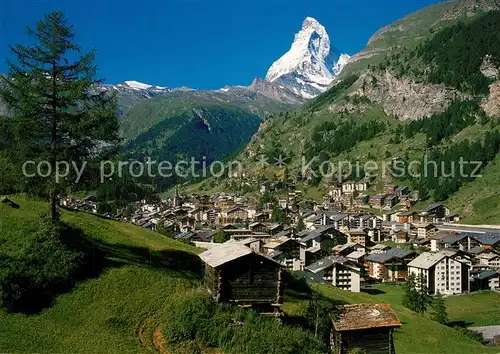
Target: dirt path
(158,341)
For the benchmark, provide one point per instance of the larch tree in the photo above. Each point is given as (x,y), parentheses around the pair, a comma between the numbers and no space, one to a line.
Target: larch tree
(58,111)
(439,315)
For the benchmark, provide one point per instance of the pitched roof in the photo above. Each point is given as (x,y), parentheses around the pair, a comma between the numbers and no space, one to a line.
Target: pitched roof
(452,238)
(328,262)
(488,238)
(309,277)
(320,230)
(356,254)
(476,250)
(380,246)
(284,233)
(487,274)
(389,255)
(224,253)
(433,206)
(426,260)
(488,255)
(206,236)
(363,316)
(340,248)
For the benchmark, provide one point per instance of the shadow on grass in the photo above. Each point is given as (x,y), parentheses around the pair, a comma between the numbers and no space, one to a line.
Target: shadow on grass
(372,291)
(30,294)
(462,324)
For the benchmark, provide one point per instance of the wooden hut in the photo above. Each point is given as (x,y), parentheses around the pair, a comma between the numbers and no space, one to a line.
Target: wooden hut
(236,274)
(368,327)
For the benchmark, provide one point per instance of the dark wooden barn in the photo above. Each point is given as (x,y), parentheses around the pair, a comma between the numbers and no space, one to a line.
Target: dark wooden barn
(368,327)
(236,274)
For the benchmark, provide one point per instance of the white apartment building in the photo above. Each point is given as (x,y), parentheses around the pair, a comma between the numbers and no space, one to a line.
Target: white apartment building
(443,271)
(338,271)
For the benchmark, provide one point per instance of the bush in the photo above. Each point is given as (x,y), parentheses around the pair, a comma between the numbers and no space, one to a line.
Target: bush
(38,269)
(198,319)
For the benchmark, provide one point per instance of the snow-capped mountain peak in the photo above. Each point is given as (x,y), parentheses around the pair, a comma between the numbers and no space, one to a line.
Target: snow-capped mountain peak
(311,64)
(137,85)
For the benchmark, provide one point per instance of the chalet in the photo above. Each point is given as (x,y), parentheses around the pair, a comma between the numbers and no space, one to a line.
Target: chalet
(233,215)
(204,236)
(379,248)
(486,280)
(210,215)
(357,256)
(425,230)
(288,233)
(311,254)
(338,271)
(390,265)
(490,260)
(402,191)
(335,191)
(235,274)
(339,220)
(449,239)
(322,237)
(285,251)
(274,229)
(361,201)
(487,240)
(258,227)
(360,237)
(351,187)
(263,216)
(400,236)
(391,200)
(422,242)
(458,242)
(270,186)
(443,272)
(376,201)
(365,327)
(439,210)
(347,248)
(405,217)
(389,216)
(363,221)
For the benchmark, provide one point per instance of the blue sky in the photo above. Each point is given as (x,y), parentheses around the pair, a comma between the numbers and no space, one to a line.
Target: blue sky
(200,44)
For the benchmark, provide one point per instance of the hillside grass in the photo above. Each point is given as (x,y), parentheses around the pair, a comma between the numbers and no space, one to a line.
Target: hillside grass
(478,202)
(113,313)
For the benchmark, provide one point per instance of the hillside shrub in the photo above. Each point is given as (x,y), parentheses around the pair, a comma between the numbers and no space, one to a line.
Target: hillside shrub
(40,267)
(196,318)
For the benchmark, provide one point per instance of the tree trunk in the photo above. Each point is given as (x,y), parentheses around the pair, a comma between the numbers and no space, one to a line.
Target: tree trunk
(53,152)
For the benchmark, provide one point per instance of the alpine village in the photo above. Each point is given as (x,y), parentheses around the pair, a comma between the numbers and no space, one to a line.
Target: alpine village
(345,203)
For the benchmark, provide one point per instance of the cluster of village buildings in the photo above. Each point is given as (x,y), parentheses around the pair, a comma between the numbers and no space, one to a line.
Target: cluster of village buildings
(345,249)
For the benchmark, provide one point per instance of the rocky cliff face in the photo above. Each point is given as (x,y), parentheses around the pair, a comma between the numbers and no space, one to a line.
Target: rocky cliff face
(489,67)
(491,104)
(404,98)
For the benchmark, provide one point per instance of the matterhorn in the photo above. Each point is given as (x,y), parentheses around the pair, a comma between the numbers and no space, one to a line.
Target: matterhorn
(311,64)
